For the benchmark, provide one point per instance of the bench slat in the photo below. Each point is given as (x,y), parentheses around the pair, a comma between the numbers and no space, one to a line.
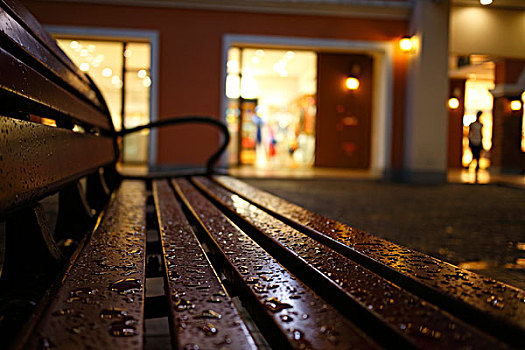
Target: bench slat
(193,284)
(13,32)
(33,26)
(19,79)
(36,160)
(99,304)
(293,316)
(493,306)
(357,290)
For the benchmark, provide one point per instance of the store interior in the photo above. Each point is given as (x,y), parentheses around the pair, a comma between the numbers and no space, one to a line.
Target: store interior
(479,74)
(121,70)
(271,107)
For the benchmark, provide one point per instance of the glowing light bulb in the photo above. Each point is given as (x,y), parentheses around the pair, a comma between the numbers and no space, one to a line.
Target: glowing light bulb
(453,103)
(107,72)
(84,66)
(352,83)
(115,80)
(515,105)
(142,73)
(406,44)
(485,2)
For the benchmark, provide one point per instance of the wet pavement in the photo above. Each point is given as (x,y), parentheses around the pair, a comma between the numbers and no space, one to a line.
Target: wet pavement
(478,227)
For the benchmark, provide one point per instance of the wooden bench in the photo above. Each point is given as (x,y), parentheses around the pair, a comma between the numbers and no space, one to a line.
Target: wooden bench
(199,261)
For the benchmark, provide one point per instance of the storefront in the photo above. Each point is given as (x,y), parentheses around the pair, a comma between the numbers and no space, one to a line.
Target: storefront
(271,109)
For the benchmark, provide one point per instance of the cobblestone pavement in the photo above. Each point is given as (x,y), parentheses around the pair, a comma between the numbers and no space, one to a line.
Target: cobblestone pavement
(478,227)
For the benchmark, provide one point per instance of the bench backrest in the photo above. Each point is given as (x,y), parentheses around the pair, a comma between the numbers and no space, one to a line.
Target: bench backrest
(54,124)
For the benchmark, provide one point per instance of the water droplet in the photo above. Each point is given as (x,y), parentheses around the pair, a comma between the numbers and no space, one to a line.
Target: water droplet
(214,300)
(62,312)
(297,334)
(495,302)
(83,291)
(122,329)
(275,305)
(182,304)
(125,286)
(210,314)
(286,318)
(45,343)
(209,329)
(112,313)
(75,330)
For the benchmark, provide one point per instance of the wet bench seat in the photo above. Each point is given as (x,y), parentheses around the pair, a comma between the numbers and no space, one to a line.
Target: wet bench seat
(292,290)
(216,263)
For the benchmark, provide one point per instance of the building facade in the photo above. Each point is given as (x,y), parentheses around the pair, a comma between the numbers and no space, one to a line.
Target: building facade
(397,122)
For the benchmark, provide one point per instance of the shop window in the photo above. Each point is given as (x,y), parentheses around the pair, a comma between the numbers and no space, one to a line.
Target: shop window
(271,107)
(121,71)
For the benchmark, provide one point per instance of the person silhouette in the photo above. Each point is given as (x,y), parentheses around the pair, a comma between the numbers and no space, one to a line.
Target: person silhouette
(475,138)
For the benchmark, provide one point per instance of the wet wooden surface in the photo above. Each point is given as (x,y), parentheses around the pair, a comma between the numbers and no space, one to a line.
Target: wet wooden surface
(36,159)
(44,96)
(99,304)
(491,305)
(201,310)
(23,42)
(291,313)
(360,293)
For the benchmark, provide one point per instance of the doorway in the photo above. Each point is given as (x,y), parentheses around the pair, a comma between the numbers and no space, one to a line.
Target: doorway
(289,108)
(382,53)
(345,112)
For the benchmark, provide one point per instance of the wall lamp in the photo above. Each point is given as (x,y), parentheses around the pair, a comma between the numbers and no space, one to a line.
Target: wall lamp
(352,81)
(515,105)
(453,103)
(406,44)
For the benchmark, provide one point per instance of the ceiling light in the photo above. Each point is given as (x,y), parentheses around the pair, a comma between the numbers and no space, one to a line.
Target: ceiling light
(107,72)
(485,2)
(142,73)
(84,66)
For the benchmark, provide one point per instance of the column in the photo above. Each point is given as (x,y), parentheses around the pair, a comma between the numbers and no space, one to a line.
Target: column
(506,155)
(425,146)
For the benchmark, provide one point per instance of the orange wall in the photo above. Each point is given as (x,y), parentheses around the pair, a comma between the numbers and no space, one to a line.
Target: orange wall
(190,57)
